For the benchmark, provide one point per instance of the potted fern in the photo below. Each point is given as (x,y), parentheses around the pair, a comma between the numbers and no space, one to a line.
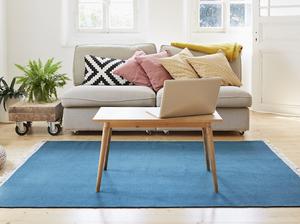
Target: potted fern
(9,95)
(40,81)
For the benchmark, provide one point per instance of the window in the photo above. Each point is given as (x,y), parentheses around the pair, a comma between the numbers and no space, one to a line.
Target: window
(211,14)
(240,12)
(103,21)
(279,7)
(218,15)
(107,15)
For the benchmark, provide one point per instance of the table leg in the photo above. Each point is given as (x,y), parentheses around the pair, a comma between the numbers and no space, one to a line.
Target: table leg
(104,144)
(205,147)
(211,151)
(107,150)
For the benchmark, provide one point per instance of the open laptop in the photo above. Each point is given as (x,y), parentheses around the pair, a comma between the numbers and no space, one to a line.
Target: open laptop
(188,98)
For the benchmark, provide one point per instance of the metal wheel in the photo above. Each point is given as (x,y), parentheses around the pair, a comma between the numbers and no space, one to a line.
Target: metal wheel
(166,132)
(149,132)
(75,132)
(22,128)
(54,129)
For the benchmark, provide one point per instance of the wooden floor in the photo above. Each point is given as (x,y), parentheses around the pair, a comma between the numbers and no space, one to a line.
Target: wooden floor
(282,132)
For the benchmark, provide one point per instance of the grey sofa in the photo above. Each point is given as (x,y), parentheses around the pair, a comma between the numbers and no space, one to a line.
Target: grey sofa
(82,102)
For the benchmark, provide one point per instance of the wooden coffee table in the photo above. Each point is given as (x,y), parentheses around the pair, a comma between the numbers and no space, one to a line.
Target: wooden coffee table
(137,117)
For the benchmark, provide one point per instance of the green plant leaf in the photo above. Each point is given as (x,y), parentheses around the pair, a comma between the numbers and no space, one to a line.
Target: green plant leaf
(5,84)
(41,80)
(4,101)
(12,84)
(9,91)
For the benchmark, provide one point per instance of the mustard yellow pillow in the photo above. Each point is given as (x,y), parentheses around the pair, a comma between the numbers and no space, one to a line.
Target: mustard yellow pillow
(215,65)
(178,67)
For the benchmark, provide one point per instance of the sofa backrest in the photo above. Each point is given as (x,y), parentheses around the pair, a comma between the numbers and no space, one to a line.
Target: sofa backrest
(126,51)
(112,51)
(236,65)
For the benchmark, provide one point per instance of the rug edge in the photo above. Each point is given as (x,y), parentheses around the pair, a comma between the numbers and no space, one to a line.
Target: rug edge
(36,147)
(161,207)
(283,157)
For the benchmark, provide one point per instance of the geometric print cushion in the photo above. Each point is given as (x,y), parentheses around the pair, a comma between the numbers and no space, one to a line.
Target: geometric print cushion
(99,72)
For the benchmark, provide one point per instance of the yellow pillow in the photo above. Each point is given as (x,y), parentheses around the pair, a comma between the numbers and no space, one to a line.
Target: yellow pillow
(178,67)
(215,65)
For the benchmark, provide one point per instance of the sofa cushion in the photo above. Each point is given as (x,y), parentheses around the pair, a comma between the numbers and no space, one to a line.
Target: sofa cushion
(215,65)
(178,67)
(111,51)
(156,73)
(232,96)
(99,71)
(133,71)
(236,65)
(229,96)
(97,96)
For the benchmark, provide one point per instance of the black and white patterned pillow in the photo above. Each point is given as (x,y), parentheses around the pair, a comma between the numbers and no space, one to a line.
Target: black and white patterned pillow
(99,72)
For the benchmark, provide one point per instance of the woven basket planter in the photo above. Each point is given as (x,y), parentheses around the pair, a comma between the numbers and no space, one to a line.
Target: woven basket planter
(2,157)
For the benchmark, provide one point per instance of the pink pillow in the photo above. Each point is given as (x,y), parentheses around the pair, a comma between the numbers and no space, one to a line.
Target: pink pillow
(155,71)
(133,72)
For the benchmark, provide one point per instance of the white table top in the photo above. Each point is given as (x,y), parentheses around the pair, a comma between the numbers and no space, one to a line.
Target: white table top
(135,114)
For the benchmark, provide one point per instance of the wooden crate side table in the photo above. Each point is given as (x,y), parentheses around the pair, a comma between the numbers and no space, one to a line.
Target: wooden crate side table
(24,113)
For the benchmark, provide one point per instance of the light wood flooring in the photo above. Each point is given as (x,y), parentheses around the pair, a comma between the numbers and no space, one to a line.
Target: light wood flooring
(282,132)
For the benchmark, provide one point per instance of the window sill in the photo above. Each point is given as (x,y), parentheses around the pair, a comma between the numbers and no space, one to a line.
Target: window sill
(101,38)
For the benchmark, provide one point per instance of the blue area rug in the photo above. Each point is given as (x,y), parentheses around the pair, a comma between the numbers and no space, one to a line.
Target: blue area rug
(151,175)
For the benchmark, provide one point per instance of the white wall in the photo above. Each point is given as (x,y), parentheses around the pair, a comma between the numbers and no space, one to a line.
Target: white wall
(34,31)
(3,43)
(3,62)
(166,21)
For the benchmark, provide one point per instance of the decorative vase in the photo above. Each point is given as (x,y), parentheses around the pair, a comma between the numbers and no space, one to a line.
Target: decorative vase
(2,157)
(4,114)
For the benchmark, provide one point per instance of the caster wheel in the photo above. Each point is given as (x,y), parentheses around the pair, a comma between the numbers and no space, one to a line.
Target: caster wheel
(242,133)
(149,132)
(166,132)
(29,124)
(22,129)
(55,130)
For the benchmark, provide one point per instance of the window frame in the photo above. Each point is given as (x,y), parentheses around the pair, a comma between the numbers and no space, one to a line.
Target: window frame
(268,7)
(226,25)
(106,28)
